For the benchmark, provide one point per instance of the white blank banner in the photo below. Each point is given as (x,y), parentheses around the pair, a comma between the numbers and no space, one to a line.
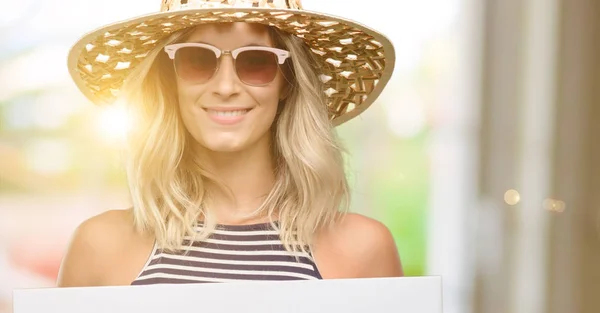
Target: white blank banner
(380,295)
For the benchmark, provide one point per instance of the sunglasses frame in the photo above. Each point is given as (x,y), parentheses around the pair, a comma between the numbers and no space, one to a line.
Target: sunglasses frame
(281,55)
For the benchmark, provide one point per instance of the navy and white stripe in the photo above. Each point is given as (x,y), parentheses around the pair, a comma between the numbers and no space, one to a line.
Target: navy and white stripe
(231,253)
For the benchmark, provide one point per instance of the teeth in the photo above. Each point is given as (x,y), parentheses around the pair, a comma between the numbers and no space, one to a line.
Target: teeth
(228,113)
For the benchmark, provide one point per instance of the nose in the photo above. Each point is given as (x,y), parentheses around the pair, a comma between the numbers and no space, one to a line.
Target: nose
(226,83)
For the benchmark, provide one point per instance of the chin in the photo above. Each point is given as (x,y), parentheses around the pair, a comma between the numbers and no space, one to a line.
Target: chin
(235,139)
(223,145)
(224,148)
(232,142)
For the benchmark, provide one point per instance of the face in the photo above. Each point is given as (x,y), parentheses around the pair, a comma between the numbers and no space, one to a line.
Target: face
(234,107)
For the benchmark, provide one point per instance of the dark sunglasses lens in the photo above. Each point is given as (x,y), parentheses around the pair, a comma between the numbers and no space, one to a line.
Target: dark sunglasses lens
(195,64)
(256,67)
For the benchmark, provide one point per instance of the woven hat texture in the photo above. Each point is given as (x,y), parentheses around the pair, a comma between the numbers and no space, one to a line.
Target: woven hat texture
(356,61)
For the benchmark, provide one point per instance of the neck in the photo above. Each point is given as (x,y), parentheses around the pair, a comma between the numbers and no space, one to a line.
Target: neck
(249,175)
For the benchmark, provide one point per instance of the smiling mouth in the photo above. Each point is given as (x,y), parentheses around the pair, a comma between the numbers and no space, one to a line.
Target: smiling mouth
(227,113)
(227,116)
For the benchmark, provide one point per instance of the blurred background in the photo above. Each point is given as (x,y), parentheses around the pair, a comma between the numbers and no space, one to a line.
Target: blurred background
(482,155)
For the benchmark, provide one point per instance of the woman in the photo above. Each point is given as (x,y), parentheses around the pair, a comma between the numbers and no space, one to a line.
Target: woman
(234,168)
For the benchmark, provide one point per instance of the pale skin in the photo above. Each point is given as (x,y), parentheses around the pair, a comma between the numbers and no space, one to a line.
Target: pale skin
(105,250)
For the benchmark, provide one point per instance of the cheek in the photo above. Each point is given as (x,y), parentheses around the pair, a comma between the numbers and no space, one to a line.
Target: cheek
(267,100)
(269,96)
(189,99)
(188,94)
(189,110)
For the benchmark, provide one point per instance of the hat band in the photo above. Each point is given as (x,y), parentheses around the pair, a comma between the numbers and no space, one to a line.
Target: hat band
(176,5)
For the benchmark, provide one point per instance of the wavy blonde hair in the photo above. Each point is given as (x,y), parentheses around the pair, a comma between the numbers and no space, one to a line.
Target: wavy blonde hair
(167,182)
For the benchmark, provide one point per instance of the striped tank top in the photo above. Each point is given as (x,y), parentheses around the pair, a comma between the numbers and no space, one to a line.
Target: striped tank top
(231,253)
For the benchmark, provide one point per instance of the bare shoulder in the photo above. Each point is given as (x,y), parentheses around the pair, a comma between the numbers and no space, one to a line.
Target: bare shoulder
(96,247)
(357,246)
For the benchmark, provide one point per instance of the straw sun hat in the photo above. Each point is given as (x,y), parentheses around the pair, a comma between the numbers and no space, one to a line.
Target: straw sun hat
(356,61)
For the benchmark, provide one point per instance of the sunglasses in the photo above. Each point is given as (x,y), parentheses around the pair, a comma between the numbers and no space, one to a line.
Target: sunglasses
(198,62)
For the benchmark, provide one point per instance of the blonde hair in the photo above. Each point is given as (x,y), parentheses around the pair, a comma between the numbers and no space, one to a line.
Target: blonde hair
(167,182)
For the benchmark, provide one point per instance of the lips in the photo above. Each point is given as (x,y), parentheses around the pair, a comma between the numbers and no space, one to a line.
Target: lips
(227,116)
(227,112)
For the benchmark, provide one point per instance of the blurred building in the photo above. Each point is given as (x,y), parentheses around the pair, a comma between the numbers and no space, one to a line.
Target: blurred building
(537,235)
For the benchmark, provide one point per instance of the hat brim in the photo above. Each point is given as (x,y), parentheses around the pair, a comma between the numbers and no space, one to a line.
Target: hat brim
(356,61)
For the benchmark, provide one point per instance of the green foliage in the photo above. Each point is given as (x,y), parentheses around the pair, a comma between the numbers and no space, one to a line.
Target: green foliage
(402,196)
(396,173)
